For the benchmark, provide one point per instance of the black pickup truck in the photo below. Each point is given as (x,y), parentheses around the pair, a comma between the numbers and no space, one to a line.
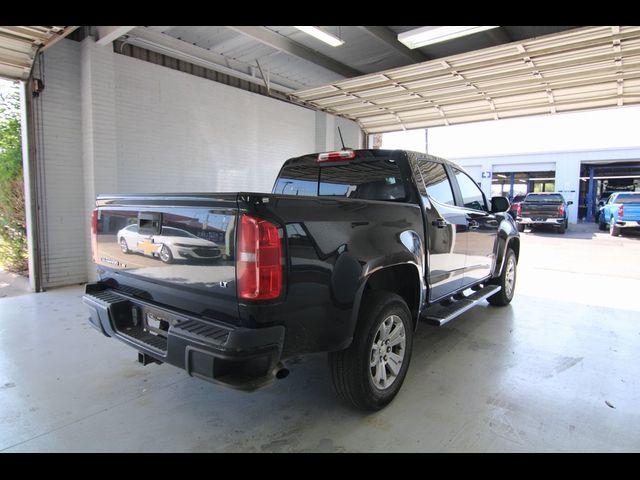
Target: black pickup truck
(346,254)
(543,209)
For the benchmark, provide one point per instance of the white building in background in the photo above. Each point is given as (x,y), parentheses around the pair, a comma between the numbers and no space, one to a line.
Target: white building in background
(564,171)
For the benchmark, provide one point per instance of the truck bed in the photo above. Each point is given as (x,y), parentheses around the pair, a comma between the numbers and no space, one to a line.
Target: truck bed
(328,245)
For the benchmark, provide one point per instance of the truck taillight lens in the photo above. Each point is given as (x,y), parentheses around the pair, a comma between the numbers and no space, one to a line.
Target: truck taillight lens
(94,235)
(621,211)
(518,209)
(561,210)
(259,259)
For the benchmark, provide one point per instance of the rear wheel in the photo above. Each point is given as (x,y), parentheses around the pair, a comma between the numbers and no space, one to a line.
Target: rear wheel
(601,223)
(370,372)
(562,228)
(507,280)
(614,230)
(520,227)
(123,245)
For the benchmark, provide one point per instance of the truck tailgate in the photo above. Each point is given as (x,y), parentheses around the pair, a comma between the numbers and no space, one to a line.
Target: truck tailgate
(631,212)
(540,210)
(174,249)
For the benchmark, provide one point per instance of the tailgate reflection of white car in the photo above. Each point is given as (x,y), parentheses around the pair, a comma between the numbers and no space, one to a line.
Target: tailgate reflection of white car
(172,244)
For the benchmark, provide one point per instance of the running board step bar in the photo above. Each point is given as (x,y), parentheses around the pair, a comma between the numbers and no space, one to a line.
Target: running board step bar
(440,314)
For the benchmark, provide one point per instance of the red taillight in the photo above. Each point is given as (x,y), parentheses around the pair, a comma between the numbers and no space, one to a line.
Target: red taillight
(518,209)
(94,235)
(621,211)
(561,210)
(259,260)
(333,156)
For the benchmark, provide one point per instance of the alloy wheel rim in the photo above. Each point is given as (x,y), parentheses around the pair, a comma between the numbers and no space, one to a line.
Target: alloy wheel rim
(510,277)
(164,254)
(387,352)
(123,245)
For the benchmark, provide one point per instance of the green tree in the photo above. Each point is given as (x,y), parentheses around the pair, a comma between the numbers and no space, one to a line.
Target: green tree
(13,231)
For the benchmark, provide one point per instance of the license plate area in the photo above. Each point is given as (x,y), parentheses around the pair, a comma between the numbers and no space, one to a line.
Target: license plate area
(155,323)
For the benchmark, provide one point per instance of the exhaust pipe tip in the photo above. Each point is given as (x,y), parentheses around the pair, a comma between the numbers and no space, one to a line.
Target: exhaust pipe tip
(281,371)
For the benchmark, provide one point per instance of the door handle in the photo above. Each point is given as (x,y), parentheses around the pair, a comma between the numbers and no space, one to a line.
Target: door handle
(439,223)
(473,225)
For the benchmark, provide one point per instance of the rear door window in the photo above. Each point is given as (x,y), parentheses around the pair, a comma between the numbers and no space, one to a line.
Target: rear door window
(435,182)
(471,194)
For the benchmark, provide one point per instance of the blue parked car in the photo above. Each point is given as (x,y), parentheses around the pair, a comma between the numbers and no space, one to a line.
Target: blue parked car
(621,211)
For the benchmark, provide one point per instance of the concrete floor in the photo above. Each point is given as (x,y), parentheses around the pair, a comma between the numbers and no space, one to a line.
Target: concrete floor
(12,284)
(558,370)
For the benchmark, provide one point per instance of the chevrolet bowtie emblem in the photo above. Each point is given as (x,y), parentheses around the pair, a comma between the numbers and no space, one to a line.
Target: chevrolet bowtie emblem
(148,247)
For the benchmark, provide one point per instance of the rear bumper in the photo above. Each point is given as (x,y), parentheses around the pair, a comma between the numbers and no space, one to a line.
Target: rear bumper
(540,221)
(236,357)
(628,223)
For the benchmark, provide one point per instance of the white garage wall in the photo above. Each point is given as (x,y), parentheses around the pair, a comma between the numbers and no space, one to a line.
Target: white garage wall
(179,132)
(115,124)
(62,233)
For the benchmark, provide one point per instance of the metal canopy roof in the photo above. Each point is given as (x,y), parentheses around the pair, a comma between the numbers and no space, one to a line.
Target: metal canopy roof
(19,45)
(585,68)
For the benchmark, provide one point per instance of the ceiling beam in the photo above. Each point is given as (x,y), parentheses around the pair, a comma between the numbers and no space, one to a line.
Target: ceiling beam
(106,35)
(168,45)
(499,35)
(390,38)
(282,43)
(55,38)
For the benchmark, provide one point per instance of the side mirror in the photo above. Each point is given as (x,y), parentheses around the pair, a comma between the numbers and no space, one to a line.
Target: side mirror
(499,204)
(569,202)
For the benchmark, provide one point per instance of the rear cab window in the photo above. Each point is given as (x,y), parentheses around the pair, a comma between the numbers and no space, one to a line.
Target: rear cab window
(627,198)
(365,178)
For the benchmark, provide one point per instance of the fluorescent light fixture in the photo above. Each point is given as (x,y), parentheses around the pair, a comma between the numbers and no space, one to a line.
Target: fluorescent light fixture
(428,35)
(320,35)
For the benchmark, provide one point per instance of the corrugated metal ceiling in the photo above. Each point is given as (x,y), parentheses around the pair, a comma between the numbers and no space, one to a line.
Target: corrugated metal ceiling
(19,44)
(363,52)
(584,68)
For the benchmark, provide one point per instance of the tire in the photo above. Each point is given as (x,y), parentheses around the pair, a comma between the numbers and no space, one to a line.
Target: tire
(123,245)
(601,225)
(507,280)
(353,371)
(520,227)
(562,228)
(165,254)
(614,230)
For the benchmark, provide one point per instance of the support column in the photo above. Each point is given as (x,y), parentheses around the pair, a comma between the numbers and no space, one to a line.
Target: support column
(590,196)
(28,172)
(99,153)
(512,179)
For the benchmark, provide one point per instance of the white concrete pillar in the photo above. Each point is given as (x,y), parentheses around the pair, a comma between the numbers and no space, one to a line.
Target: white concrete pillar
(99,150)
